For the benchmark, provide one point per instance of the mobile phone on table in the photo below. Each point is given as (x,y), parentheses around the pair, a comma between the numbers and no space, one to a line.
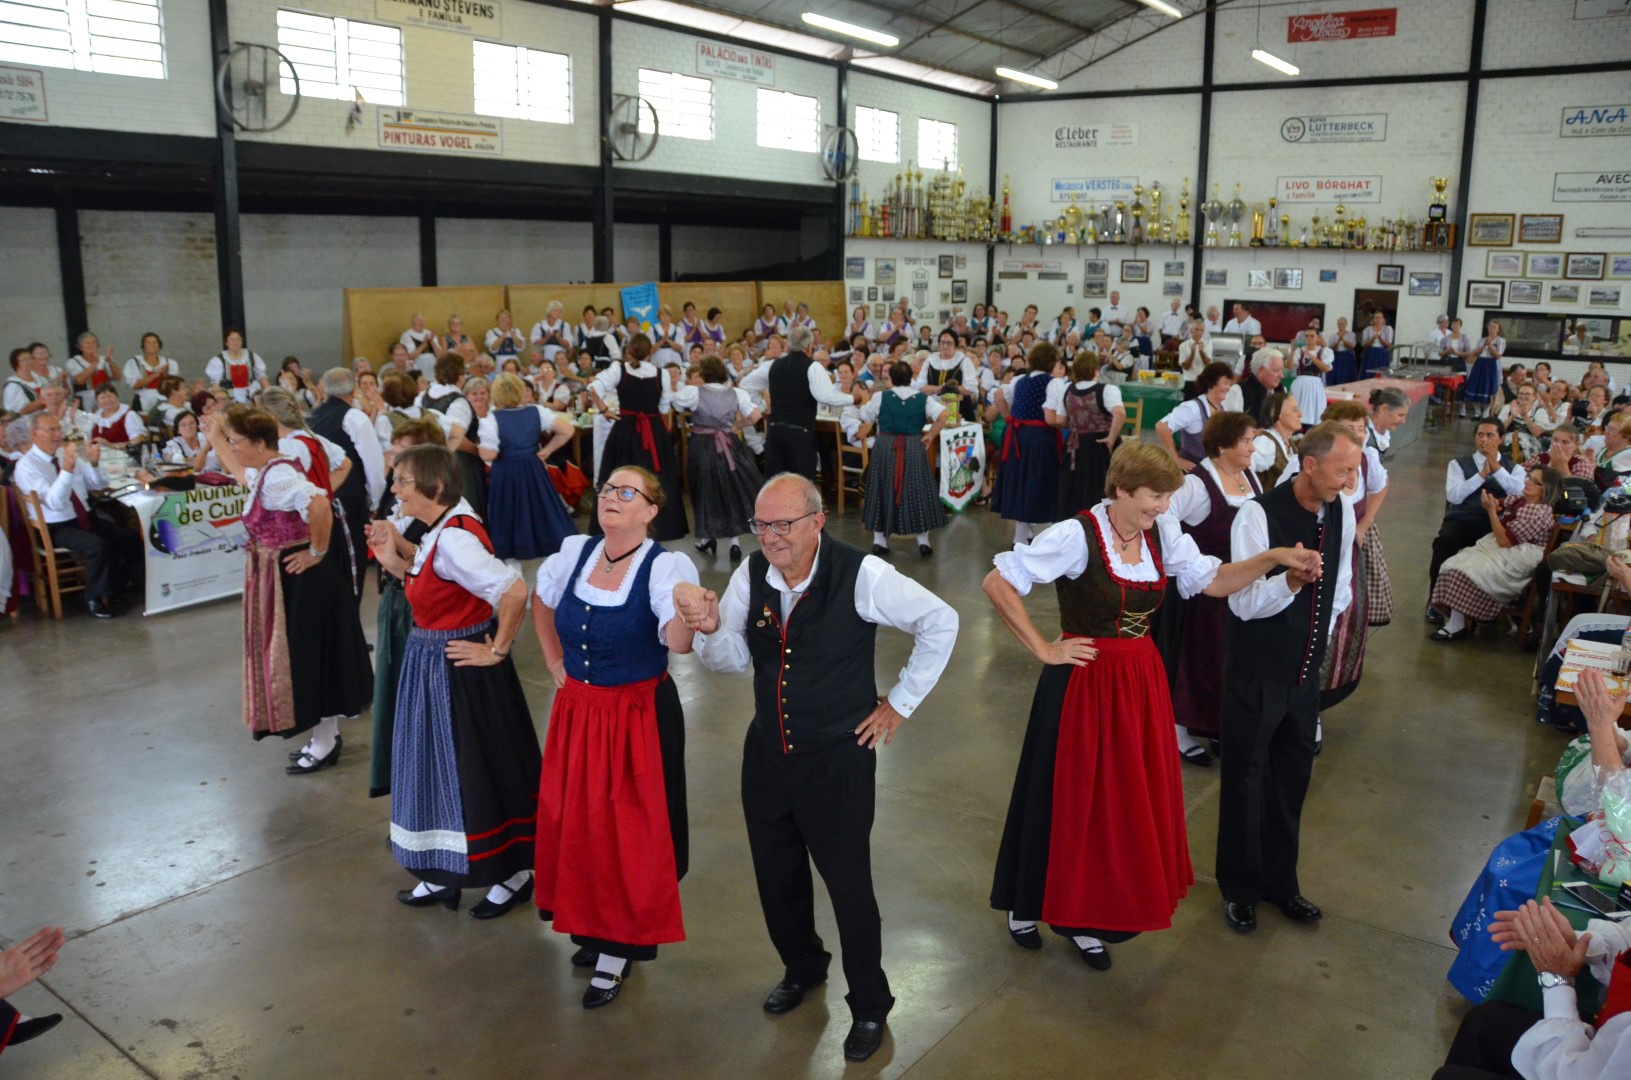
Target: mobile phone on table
(1602,903)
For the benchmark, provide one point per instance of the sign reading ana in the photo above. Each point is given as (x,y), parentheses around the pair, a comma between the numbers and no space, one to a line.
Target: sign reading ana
(1365,127)
(1343,26)
(22,94)
(1605,185)
(730,62)
(440,133)
(1092,136)
(1586,121)
(1330,189)
(468,16)
(1094,188)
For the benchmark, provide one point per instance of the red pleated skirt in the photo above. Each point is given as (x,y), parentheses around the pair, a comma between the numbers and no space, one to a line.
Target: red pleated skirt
(1118,854)
(606,865)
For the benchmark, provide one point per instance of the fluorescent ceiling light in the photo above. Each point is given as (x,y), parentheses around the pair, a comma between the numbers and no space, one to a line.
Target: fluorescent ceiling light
(1163,7)
(838,26)
(1027,79)
(1282,66)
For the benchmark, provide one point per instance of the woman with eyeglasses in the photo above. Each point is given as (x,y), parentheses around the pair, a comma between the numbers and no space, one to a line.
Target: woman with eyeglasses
(638,436)
(612,834)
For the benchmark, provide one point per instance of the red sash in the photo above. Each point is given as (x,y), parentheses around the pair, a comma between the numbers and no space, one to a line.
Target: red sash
(318,472)
(1008,435)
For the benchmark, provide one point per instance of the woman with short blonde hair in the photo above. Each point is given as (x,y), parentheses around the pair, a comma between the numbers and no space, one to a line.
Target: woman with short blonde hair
(526,518)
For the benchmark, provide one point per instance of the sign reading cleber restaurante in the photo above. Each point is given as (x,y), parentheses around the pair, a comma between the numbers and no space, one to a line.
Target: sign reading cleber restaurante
(1343,25)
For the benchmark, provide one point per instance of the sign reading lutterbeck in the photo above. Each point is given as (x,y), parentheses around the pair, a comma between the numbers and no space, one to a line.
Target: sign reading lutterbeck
(1343,26)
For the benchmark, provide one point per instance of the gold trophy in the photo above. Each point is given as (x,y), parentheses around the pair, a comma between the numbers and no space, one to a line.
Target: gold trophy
(1182,234)
(1319,238)
(1339,227)
(1439,208)
(1272,236)
(1285,231)
(1138,214)
(1257,225)
(1120,221)
(1073,220)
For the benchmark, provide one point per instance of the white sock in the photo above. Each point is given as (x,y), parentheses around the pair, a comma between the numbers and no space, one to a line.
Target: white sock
(322,738)
(1022,533)
(1092,944)
(1319,729)
(736,544)
(923,539)
(605,968)
(425,888)
(1455,623)
(880,539)
(1186,741)
(1020,925)
(500,894)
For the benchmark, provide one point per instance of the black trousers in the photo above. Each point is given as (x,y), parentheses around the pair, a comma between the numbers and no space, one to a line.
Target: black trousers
(112,554)
(356,524)
(1483,1044)
(1268,742)
(1454,534)
(817,807)
(789,448)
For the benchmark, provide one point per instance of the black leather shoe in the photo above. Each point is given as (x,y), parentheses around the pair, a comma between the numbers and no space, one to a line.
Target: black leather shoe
(304,763)
(708,547)
(1242,917)
(489,910)
(594,997)
(736,554)
(863,1040)
(787,996)
(1435,616)
(1197,755)
(585,958)
(1096,956)
(1298,909)
(880,551)
(1442,634)
(1026,939)
(925,550)
(34,1027)
(99,609)
(448,898)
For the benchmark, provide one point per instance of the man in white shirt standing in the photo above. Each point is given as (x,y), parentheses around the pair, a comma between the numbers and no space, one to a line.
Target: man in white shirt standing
(1243,322)
(1173,327)
(339,421)
(1193,355)
(809,763)
(111,554)
(797,386)
(1114,316)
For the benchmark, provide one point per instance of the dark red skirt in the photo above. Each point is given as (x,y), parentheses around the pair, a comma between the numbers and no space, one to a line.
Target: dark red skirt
(1095,837)
(1198,679)
(608,864)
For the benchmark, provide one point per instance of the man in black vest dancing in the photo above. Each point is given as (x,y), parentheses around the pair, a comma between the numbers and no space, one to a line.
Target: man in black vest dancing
(797,384)
(339,421)
(804,611)
(1465,481)
(1274,640)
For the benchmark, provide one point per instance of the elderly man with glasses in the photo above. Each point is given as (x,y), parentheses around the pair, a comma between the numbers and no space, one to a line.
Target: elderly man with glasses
(797,610)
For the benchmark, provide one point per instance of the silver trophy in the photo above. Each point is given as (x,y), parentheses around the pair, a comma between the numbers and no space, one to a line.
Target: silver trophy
(1212,210)
(1237,211)
(1106,228)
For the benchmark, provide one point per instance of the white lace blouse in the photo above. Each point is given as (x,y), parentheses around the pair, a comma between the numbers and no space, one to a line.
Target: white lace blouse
(1061,550)
(669,569)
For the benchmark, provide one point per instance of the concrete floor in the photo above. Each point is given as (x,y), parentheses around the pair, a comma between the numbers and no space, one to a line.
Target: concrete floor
(226,920)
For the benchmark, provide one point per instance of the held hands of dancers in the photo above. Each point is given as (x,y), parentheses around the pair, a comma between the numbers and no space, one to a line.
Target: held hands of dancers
(1303,567)
(697,607)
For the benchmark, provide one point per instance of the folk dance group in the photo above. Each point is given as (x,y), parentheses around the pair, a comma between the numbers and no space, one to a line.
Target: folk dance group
(592,826)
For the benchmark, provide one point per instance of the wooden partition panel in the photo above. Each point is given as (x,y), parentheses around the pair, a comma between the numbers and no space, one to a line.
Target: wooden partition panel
(527,302)
(375,318)
(826,300)
(736,300)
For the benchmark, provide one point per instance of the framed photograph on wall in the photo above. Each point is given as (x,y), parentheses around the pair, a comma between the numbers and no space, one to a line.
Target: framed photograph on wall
(1604,296)
(1426,284)
(959,292)
(1288,278)
(1563,294)
(948,265)
(883,271)
(1135,271)
(1260,279)
(1584,267)
(1096,289)
(889,295)
(855,266)
(1172,288)
(880,311)
(1327,276)
(1540,229)
(1490,230)
(1523,292)
(1173,268)
(962,262)
(1504,264)
(1096,268)
(856,294)
(1619,266)
(1486,294)
(1390,274)
(1543,264)
(1215,277)
(872,293)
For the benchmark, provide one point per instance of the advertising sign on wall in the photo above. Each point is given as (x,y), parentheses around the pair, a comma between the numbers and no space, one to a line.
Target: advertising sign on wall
(440,133)
(1329,189)
(22,94)
(1359,127)
(469,16)
(1094,188)
(1091,136)
(735,62)
(1343,26)
(1588,121)
(1598,9)
(194,542)
(1604,185)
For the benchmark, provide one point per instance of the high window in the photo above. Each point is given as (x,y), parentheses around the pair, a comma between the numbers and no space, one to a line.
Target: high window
(936,144)
(530,84)
(684,104)
(112,37)
(340,58)
(877,134)
(789,121)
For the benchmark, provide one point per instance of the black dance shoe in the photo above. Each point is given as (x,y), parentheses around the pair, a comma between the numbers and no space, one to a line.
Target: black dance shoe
(304,763)
(1197,755)
(1298,909)
(1029,938)
(736,554)
(489,910)
(585,958)
(1097,956)
(863,1040)
(707,547)
(34,1027)
(99,609)
(925,550)
(594,997)
(787,996)
(1445,634)
(1242,917)
(1435,616)
(448,898)
(880,551)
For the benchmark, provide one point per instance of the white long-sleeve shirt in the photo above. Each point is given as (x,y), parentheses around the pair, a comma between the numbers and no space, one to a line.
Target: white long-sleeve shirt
(1268,596)
(39,474)
(1457,486)
(883,596)
(360,430)
(1061,550)
(821,386)
(1561,1046)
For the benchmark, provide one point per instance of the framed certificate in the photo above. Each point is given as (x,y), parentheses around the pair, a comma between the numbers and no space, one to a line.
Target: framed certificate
(1490,230)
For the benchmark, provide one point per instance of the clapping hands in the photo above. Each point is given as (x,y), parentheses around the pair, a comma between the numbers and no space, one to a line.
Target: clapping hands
(697,607)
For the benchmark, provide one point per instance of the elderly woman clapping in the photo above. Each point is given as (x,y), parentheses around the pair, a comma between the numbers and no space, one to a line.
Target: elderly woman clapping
(1475,584)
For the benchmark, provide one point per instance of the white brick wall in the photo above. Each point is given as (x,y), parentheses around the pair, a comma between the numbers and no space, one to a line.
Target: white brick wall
(1169,57)
(1540,33)
(180,104)
(296,268)
(486,251)
(634,252)
(1431,37)
(440,77)
(912,103)
(734,149)
(30,280)
(155,271)
(704,250)
(917,261)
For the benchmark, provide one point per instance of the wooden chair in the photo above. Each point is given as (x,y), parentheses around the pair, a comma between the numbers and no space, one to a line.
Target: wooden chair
(56,571)
(1135,417)
(5,535)
(1560,533)
(852,466)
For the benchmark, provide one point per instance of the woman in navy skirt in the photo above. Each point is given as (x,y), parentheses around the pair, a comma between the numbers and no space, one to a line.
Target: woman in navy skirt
(1484,378)
(1344,361)
(1028,464)
(638,436)
(1378,345)
(901,494)
(525,515)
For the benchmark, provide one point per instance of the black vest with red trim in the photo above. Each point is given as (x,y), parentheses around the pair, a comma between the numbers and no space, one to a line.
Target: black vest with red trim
(813,680)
